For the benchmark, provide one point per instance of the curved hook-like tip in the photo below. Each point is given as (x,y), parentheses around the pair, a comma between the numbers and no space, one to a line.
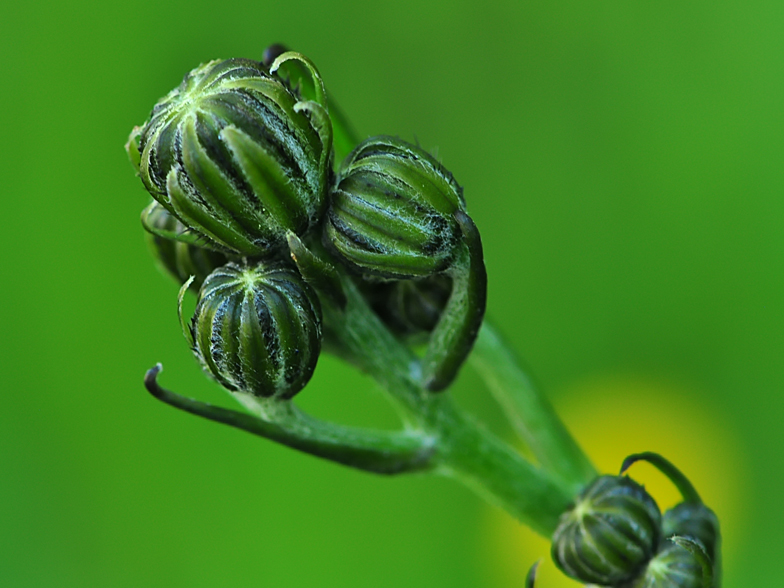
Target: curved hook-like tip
(530,579)
(629,462)
(321,92)
(150,380)
(666,467)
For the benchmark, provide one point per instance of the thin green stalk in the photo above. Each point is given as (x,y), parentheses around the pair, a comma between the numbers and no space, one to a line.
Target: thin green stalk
(529,411)
(381,452)
(495,471)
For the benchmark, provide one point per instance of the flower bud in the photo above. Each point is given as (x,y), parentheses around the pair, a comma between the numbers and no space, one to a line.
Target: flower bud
(176,258)
(673,567)
(257,329)
(392,212)
(695,521)
(610,533)
(234,156)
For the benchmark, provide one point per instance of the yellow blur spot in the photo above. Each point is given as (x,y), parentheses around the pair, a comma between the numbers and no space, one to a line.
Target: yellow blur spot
(615,417)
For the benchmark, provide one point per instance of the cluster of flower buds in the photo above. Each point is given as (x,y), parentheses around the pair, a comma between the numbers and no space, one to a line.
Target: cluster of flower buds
(247,162)
(296,237)
(615,535)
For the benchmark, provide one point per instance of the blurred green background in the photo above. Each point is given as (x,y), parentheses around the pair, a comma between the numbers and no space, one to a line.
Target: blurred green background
(623,162)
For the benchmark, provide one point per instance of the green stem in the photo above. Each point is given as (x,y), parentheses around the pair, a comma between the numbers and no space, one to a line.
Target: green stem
(491,468)
(381,452)
(529,411)
(464,450)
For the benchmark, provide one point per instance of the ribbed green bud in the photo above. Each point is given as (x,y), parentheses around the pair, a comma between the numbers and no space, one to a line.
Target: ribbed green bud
(176,258)
(392,213)
(610,533)
(673,567)
(236,157)
(257,329)
(695,521)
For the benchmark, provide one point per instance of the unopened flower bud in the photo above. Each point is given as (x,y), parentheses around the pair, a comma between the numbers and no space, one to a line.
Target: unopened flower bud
(695,521)
(392,213)
(610,533)
(673,567)
(236,157)
(176,258)
(257,329)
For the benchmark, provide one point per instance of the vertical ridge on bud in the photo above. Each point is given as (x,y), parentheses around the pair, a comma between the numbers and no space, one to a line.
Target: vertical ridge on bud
(257,329)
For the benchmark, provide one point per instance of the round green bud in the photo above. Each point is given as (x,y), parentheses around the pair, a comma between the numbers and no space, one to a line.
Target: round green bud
(673,567)
(695,521)
(257,329)
(236,157)
(178,259)
(610,533)
(391,214)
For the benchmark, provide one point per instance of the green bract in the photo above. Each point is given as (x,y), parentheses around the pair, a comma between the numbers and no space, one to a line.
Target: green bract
(257,329)
(392,212)
(236,157)
(610,533)
(178,259)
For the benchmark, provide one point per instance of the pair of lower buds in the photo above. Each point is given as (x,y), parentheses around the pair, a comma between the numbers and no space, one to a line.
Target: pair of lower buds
(615,535)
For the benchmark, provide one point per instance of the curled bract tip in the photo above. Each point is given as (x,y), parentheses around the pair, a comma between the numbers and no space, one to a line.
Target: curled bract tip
(666,467)
(530,579)
(150,380)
